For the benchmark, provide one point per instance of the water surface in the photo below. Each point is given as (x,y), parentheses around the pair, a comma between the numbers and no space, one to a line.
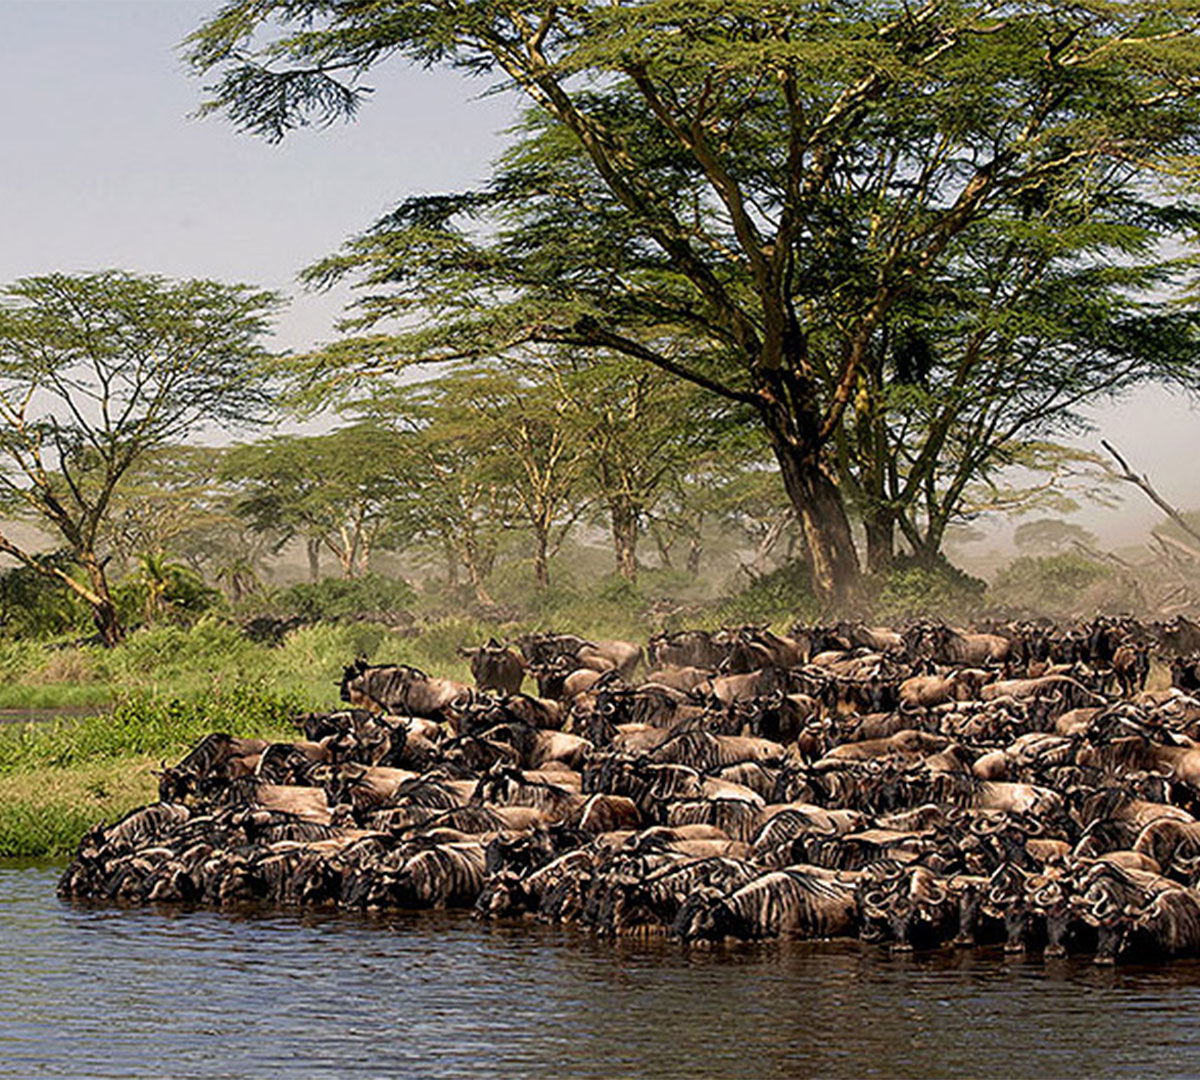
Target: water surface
(100,991)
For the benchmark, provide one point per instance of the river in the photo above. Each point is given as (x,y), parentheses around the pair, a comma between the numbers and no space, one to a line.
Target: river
(100,991)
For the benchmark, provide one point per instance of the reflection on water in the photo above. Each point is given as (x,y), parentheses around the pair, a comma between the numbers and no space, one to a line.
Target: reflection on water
(110,992)
(34,714)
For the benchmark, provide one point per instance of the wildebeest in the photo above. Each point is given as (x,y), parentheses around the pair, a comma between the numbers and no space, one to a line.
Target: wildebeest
(686,648)
(800,901)
(917,801)
(399,688)
(495,667)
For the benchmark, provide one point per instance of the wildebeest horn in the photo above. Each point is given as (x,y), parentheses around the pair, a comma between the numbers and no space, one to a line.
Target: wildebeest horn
(874,902)
(1102,906)
(1031,826)
(1048,895)
(986,826)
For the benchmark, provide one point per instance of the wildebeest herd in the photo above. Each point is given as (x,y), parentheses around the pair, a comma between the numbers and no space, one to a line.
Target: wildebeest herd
(1013,784)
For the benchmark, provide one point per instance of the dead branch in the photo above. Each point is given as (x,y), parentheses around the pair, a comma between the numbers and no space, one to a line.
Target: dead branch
(1143,482)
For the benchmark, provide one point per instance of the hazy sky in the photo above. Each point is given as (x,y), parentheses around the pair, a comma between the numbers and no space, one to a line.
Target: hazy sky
(103,167)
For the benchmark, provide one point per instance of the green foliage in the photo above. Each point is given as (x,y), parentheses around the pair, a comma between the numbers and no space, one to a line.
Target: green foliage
(782,596)
(345,490)
(1048,536)
(18,657)
(1052,585)
(34,829)
(33,605)
(168,651)
(371,596)
(312,656)
(100,370)
(145,726)
(912,239)
(941,591)
(57,779)
(162,590)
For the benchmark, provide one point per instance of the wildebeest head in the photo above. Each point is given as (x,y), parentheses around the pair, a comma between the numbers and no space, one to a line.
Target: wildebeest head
(703,916)
(350,674)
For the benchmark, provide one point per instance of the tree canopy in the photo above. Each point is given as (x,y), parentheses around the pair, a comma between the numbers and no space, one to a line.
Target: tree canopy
(337,490)
(96,372)
(902,234)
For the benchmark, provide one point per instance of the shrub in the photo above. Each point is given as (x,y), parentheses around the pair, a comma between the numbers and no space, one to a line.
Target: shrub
(371,596)
(164,592)
(162,650)
(910,590)
(35,606)
(1054,585)
(782,596)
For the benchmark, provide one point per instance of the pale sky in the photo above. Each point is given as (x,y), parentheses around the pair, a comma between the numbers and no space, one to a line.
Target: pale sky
(103,167)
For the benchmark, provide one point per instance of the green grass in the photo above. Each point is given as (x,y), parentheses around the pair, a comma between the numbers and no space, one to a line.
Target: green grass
(137,727)
(59,778)
(165,688)
(213,656)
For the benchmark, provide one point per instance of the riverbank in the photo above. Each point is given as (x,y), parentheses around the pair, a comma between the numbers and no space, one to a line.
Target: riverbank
(59,778)
(120,713)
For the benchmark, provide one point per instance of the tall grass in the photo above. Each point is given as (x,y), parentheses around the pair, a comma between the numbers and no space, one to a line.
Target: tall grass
(58,779)
(47,811)
(144,726)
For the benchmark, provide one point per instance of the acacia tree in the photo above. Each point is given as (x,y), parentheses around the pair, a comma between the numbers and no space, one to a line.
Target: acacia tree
(98,371)
(1032,316)
(451,498)
(522,442)
(336,491)
(740,193)
(169,494)
(641,431)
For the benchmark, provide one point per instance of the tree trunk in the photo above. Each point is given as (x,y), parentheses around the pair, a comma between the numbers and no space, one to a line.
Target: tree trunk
(825,527)
(104,615)
(104,611)
(663,547)
(364,556)
(624,534)
(767,544)
(468,555)
(929,550)
(313,544)
(881,531)
(541,559)
(95,594)
(695,551)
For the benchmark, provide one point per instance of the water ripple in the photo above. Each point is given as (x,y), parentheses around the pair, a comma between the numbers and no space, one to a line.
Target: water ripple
(104,992)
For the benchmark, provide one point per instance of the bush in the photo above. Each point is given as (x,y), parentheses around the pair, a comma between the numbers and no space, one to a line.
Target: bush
(782,596)
(35,829)
(312,657)
(163,650)
(182,595)
(940,591)
(35,606)
(1053,585)
(19,658)
(371,596)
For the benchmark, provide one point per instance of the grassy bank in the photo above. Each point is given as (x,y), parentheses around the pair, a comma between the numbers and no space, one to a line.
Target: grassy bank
(182,663)
(57,779)
(155,696)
